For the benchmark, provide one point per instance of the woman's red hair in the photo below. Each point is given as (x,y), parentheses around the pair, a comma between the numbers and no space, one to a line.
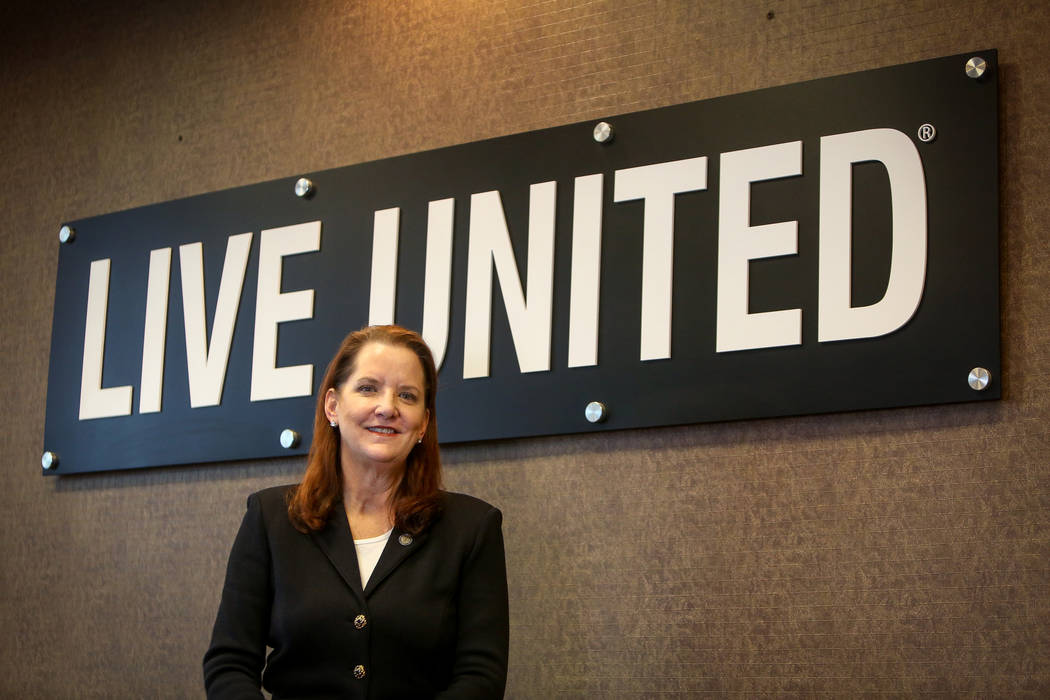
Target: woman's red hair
(417,500)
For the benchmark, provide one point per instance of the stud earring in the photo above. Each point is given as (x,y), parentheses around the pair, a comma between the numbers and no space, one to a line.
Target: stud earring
(332,423)
(420,440)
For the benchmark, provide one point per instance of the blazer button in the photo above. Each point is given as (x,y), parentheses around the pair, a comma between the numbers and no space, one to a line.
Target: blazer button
(360,621)
(359,672)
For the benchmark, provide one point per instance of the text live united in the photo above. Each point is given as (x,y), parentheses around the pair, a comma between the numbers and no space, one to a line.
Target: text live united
(825,246)
(529,300)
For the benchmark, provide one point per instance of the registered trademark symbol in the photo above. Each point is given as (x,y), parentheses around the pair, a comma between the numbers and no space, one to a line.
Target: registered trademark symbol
(927,133)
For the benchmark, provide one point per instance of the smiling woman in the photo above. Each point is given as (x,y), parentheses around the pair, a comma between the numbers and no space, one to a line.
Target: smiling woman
(378,412)
(366,579)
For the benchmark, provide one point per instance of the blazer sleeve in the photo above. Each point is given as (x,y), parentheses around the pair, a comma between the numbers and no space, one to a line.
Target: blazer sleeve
(480,667)
(234,662)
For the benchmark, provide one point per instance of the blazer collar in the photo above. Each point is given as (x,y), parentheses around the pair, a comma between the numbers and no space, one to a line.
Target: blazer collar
(337,543)
(398,548)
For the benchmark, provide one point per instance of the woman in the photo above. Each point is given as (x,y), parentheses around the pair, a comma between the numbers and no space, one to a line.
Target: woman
(366,580)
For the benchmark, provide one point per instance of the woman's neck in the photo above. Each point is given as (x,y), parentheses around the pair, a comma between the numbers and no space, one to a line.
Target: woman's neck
(368,495)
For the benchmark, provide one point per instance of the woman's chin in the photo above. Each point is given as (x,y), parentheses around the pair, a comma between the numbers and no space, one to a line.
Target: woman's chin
(384,455)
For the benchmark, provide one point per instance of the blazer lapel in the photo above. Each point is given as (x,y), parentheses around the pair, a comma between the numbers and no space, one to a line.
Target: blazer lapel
(398,548)
(337,544)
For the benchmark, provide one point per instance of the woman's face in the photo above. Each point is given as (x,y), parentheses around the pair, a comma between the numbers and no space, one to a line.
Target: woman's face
(380,410)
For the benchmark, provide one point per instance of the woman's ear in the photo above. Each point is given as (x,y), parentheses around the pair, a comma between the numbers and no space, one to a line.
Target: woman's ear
(426,422)
(331,405)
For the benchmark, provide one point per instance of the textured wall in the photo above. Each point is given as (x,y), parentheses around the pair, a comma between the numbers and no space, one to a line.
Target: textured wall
(883,553)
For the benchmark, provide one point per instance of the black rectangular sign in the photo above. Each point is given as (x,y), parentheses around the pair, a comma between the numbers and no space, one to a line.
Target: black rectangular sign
(825,246)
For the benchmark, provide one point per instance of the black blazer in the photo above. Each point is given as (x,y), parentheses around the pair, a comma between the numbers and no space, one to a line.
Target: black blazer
(432,621)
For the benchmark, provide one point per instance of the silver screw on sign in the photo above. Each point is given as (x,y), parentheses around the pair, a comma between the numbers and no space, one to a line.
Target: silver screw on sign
(66,234)
(976,67)
(289,438)
(979,378)
(303,188)
(49,461)
(603,132)
(595,412)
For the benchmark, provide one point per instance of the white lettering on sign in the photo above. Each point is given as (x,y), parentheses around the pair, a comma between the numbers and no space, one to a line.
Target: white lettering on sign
(657,185)
(530,320)
(437,283)
(155,331)
(383,292)
(437,280)
(530,315)
(96,402)
(739,243)
(206,361)
(273,307)
(838,319)
(585,287)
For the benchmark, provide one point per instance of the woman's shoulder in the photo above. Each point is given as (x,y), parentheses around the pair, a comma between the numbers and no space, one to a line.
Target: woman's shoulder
(273,499)
(463,508)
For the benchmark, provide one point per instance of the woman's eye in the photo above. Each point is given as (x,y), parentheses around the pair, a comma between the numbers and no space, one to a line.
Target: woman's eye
(366,388)
(408,396)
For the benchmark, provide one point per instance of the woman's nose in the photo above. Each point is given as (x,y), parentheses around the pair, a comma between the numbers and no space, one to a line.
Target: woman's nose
(385,404)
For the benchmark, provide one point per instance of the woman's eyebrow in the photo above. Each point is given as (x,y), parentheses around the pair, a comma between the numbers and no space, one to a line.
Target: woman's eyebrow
(408,385)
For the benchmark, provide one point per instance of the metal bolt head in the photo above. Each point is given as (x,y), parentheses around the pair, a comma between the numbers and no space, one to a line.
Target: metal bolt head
(927,132)
(289,438)
(595,412)
(303,188)
(603,132)
(976,67)
(66,234)
(49,460)
(979,378)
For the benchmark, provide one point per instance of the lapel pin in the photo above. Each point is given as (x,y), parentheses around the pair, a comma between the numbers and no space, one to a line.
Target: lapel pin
(405,540)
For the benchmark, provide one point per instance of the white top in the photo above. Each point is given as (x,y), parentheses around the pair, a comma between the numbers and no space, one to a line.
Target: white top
(368,552)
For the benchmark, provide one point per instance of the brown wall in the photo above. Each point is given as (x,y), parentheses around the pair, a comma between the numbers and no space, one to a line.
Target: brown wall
(890,552)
